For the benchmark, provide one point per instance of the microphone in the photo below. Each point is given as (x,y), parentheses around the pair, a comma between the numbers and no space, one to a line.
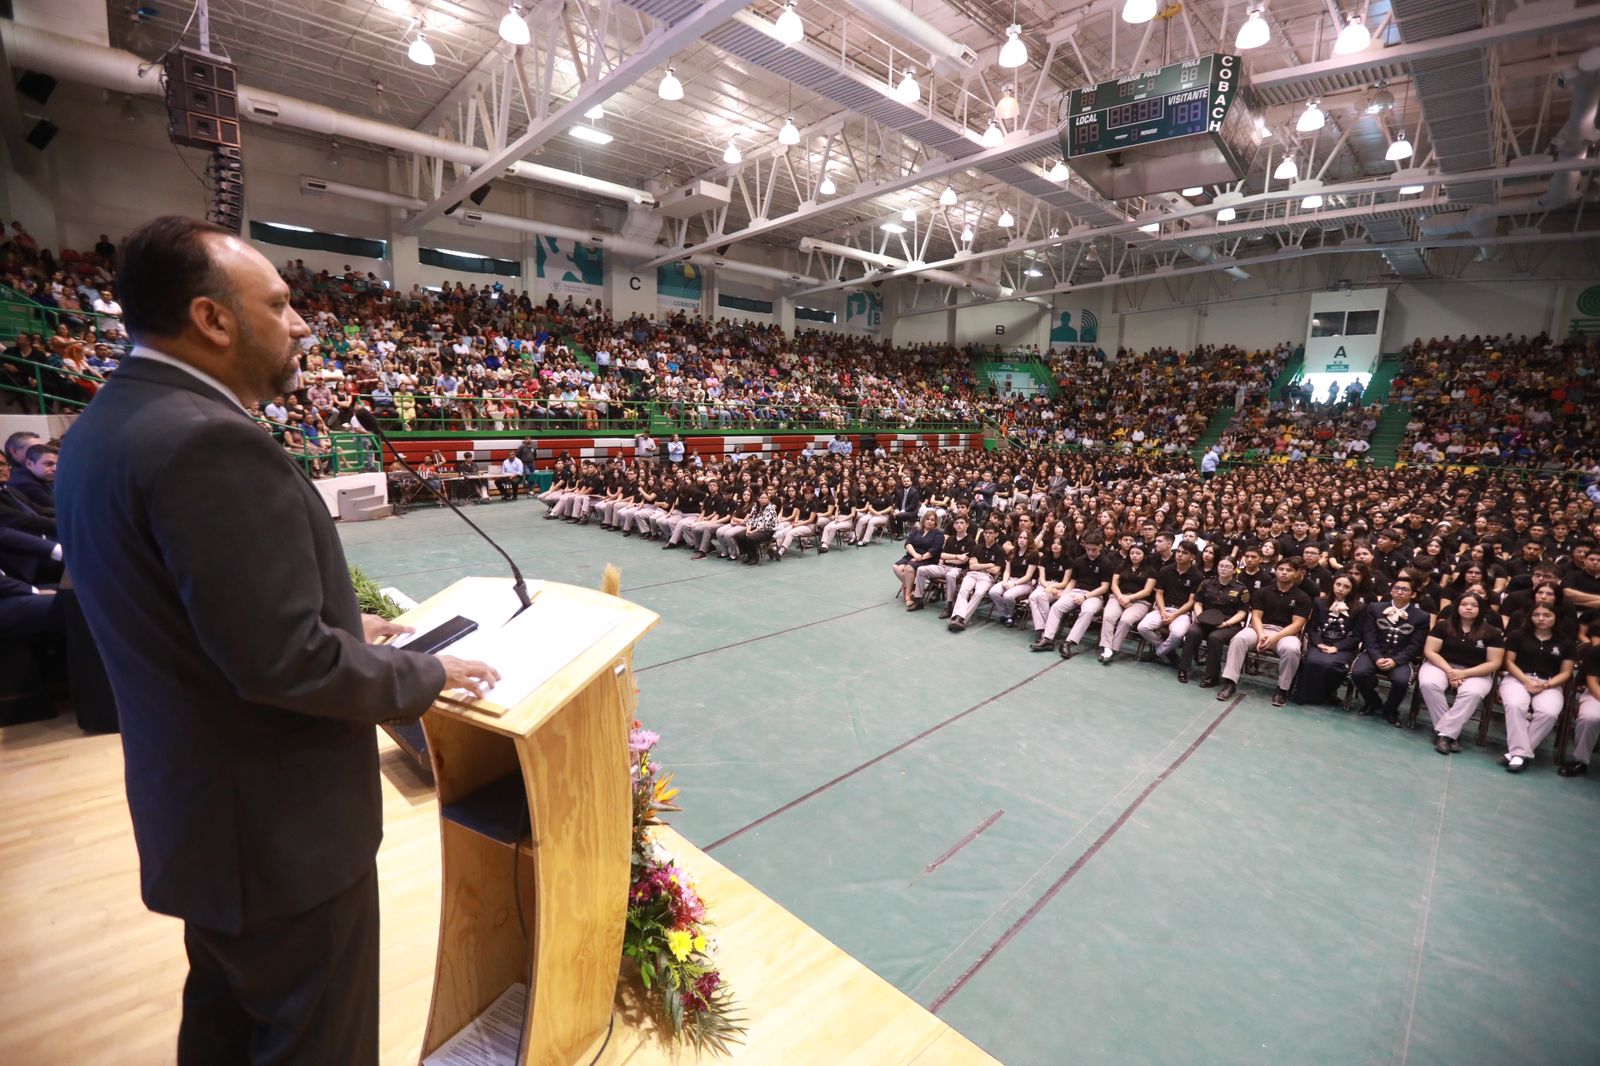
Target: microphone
(369,422)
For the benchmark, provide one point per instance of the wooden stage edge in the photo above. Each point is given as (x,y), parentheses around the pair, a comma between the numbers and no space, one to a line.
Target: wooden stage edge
(94,978)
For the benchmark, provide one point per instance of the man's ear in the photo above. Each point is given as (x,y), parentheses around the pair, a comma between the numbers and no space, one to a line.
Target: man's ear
(213,320)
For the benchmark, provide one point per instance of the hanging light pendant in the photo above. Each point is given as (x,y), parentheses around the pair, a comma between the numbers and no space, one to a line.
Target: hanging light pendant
(992,137)
(1014,53)
(1311,119)
(1059,172)
(1138,12)
(790,29)
(1227,214)
(827,188)
(732,155)
(670,88)
(790,133)
(513,28)
(908,92)
(966,234)
(948,197)
(1007,108)
(1287,170)
(420,52)
(1006,221)
(1353,38)
(1399,150)
(1254,33)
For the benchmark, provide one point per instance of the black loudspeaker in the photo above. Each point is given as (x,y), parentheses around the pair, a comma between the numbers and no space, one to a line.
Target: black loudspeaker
(225,169)
(202,100)
(36,86)
(478,196)
(44,131)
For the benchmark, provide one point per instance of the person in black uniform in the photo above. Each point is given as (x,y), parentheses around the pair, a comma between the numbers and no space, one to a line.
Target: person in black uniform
(1130,599)
(213,580)
(983,570)
(1463,652)
(1586,729)
(1334,638)
(1278,615)
(1539,662)
(1176,585)
(1221,604)
(1317,576)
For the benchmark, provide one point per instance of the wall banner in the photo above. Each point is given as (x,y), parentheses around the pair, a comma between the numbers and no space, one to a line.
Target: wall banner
(679,287)
(863,312)
(567,267)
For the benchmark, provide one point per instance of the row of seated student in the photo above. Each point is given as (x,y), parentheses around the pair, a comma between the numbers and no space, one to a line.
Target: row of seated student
(1386,578)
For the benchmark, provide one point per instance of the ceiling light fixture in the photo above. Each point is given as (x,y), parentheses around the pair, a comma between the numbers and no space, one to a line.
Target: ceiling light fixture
(1006,221)
(789,27)
(908,215)
(1059,172)
(966,234)
(1014,53)
(1033,272)
(732,156)
(1410,190)
(1353,38)
(992,137)
(892,227)
(1312,202)
(908,92)
(670,88)
(1382,99)
(1138,12)
(1287,170)
(790,133)
(1227,214)
(948,197)
(420,52)
(1194,190)
(827,188)
(1311,119)
(595,113)
(513,28)
(1400,149)
(590,134)
(1007,108)
(1254,33)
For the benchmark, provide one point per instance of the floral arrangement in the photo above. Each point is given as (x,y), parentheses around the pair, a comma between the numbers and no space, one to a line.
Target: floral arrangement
(666,931)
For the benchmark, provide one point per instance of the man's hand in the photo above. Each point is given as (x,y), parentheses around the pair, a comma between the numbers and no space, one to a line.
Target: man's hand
(375,628)
(1385,664)
(475,677)
(1266,643)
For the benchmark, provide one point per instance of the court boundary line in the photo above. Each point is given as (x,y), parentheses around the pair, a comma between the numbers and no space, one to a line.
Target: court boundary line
(1032,912)
(1421,936)
(760,636)
(876,759)
(963,842)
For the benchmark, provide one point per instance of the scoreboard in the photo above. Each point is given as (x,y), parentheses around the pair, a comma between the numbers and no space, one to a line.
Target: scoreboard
(1177,100)
(1190,107)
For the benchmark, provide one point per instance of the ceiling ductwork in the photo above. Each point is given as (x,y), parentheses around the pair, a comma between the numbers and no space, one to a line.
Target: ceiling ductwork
(946,56)
(29,48)
(630,247)
(1453,92)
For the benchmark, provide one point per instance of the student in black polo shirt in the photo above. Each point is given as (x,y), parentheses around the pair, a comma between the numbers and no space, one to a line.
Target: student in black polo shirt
(1463,652)
(1278,614)
(1176,585)
(983,570)
(1539,663)
(1221,604)
(1129,600)
(1088,581)
(1588,725)
(951,567)
(1054,566)
(1581,588)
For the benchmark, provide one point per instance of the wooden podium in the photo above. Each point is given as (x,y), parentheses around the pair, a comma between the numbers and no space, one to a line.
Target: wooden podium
(535,800)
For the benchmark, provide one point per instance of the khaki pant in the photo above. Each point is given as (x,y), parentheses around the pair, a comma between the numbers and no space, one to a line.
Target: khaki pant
(1244,642)
(1529,718)
(1120,619)
(950,575)
(1151,629)
(1588,728)
(1449,716)
(973,588)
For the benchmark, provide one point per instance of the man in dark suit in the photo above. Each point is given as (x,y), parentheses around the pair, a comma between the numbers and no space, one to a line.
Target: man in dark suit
(907,504)
(214,583)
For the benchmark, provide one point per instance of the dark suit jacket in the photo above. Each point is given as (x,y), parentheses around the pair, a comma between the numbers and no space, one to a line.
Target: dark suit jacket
(38,495)
(214,583)
(906,501)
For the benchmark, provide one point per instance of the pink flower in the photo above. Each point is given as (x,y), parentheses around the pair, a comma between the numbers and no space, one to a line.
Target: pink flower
(642,740)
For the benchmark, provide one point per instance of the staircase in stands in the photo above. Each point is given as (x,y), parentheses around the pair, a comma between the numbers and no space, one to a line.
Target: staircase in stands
(1023,375)
(1213,431)
(1391,430)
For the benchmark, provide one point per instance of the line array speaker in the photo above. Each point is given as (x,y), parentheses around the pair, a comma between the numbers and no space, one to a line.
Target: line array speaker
(202,99)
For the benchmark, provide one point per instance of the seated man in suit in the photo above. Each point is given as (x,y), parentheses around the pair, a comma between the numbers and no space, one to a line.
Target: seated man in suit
(32,558)
(34,482)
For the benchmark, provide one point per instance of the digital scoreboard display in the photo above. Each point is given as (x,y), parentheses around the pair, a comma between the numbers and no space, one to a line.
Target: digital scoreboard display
(1192,96)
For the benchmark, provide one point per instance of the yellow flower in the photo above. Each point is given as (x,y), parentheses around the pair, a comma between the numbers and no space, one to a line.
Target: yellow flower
(700,942)
(679,942)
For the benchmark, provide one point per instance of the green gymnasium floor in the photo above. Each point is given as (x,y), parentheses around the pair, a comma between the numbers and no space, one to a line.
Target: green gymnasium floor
(1079,864)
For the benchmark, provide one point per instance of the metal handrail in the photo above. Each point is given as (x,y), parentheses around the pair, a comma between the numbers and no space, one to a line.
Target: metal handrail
(10,297)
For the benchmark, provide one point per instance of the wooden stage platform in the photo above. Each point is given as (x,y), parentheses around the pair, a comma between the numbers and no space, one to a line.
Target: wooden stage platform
(93,978)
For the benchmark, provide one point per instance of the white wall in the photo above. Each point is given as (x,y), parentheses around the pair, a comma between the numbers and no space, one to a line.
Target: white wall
(1435,308)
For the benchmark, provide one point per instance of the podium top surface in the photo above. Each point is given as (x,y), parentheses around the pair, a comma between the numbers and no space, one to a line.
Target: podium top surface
(605,626)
